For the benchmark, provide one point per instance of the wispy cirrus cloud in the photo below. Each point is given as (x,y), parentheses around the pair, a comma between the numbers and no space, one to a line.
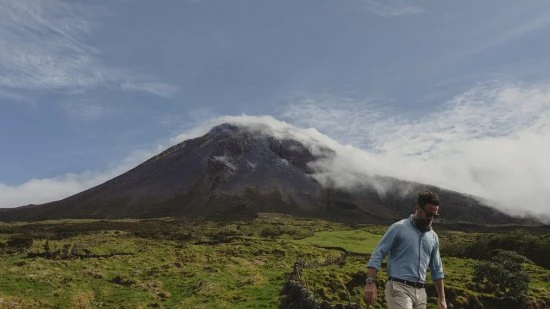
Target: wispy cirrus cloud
(160,89)
(85,109)
(348,122)
(44,48)
(393,8)
(508,26)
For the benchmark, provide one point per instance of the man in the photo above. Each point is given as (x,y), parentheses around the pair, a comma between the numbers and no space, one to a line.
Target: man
(412,246)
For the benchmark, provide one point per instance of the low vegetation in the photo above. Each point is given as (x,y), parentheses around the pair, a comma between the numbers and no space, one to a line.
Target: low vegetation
(266,262)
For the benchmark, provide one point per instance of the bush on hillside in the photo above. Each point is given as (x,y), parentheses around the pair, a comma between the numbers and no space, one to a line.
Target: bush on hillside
(502,276)
(20,243)
(503,255)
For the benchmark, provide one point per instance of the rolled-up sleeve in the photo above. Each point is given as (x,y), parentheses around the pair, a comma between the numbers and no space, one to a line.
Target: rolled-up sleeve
(436,267)
(383,247)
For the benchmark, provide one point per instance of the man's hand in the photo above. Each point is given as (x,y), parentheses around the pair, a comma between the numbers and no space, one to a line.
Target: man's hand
(442,303)
(370,294)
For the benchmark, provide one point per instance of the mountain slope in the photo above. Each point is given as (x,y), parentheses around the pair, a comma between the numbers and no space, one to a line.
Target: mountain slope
(235,171)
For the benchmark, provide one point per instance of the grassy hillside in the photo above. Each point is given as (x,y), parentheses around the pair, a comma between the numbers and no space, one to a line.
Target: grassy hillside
(169,263)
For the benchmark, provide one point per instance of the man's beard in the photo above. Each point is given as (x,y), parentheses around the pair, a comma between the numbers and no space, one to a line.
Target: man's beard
(423,224)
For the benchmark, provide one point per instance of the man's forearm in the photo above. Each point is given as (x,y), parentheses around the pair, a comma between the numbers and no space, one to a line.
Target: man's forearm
(370,287)
(439,287)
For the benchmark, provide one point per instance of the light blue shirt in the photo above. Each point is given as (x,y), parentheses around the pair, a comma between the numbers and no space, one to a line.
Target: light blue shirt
(411,252)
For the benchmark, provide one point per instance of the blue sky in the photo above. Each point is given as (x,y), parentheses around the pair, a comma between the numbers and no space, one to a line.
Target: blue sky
(89,89)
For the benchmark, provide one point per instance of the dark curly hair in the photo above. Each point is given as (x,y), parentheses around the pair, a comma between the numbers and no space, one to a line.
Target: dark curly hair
(427,197)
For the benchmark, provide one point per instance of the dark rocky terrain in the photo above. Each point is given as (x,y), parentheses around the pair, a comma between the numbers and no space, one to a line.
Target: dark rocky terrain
(234,172)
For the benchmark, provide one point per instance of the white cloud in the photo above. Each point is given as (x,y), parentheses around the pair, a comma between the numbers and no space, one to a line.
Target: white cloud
(44,48)
(358,115)
(38,191)
(42,45)
(491,141)
(393,8)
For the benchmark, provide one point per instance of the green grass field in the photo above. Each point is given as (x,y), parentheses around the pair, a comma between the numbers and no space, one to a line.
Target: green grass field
(359,241)
(203,264)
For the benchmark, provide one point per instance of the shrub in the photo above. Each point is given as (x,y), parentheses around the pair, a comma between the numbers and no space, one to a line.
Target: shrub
(123,280)
(503,255)
(479,249)
(271,231)
(502,276)
(20,242)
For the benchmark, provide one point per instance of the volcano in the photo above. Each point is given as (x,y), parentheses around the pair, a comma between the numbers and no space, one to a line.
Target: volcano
(236,171)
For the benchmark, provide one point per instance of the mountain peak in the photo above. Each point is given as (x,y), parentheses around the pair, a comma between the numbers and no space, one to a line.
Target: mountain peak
(225,129)
(267,169)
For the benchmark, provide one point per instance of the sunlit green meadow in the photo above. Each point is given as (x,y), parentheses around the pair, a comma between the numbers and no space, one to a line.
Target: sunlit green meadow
(169,263)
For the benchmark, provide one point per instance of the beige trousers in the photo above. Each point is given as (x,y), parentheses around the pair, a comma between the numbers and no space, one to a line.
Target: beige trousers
(402,296)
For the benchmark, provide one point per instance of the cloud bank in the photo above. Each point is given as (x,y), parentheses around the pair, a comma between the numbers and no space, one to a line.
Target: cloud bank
(38,191)
(492,141)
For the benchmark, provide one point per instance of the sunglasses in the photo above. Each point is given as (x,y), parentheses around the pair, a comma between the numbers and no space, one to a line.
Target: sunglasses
(430,214)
